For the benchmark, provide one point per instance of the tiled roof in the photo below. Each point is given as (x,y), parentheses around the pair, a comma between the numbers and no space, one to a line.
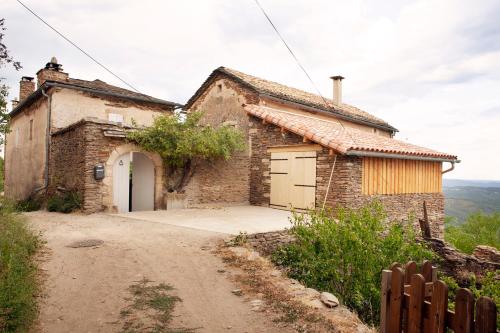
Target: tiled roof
(283,92)
(331,134)
(99,85)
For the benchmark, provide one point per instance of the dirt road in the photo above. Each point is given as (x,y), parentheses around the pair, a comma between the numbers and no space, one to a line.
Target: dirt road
(86,287)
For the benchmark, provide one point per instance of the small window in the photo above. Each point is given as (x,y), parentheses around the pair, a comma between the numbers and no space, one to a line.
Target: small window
(219,87)
(31,129)
(115,117)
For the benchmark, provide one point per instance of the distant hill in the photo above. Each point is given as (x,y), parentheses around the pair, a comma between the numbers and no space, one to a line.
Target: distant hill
(470,183)
(463,197)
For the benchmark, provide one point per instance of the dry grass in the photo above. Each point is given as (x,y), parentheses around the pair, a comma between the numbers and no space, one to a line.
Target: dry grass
(254,279)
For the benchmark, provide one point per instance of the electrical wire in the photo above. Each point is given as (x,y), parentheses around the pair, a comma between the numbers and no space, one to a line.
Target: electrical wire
(315,87)
(77,47)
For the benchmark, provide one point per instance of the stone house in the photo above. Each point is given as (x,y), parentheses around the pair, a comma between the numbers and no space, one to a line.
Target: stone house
(69,135)
(305,151)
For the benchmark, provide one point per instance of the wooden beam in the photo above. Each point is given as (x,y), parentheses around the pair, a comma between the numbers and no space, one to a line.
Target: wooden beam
(305,140)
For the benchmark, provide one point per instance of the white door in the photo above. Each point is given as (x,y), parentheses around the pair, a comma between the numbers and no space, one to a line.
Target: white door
(143,182)
(121,183)
(293,180)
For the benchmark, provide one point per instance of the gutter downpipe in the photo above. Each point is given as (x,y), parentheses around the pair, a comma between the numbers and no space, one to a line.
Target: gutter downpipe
(451,168)
(47,141)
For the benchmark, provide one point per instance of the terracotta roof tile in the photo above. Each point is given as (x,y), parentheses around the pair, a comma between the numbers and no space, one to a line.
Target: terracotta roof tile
(332,134)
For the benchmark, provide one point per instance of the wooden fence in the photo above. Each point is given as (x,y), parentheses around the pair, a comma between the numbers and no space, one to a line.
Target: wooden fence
(417,302)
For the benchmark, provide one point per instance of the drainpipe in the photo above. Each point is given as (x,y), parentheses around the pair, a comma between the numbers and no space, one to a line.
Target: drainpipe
(47,142)
(450,169)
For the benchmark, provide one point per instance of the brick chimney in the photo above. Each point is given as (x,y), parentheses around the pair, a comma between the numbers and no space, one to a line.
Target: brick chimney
(26,87)
(337,89)
(53,71)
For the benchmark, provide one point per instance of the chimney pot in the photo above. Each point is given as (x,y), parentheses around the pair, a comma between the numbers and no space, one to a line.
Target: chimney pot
(337,89)
(26,87)
(52,71)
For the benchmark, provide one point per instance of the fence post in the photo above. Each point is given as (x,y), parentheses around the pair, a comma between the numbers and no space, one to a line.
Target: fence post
(427,271)
(486,315)
(417,297)
(397,298)
(464,311)
(439,306)
(384,297)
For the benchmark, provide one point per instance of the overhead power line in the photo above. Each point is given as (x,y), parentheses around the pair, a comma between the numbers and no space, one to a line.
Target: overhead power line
(311,80)
(78,47)
(299,64)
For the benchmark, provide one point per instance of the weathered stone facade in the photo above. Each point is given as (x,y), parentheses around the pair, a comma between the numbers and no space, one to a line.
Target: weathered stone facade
(78,148)
(345,189)
(267,242)
(222,182)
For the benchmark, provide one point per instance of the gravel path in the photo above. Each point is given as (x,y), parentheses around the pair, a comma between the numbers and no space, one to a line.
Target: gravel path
(87,280)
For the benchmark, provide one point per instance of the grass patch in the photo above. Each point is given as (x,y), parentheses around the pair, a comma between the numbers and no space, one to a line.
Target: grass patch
(64,203)
(151,309)
(18,272)
(28,205)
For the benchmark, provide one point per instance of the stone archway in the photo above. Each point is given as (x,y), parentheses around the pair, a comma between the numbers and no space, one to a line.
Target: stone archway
(108,179)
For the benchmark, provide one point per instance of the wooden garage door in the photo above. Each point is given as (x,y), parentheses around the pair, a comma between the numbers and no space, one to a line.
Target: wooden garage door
(293,180)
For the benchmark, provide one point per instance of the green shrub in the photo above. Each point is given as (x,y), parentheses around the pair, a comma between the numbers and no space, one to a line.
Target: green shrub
(28,205)
(18,282)
(478,229)
(344,252)
(488,286)
(65,203)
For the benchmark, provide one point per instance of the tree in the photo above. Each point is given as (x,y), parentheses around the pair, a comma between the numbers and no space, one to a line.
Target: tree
(183,143)
(5,59)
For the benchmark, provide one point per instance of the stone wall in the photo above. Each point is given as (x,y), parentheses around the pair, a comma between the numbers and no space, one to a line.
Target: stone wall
(67,161)
(461,265)
(267,242)
(77,149)
(345,189)
(222,182)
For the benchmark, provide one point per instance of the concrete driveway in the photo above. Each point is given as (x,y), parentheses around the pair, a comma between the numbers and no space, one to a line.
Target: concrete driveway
(228,220)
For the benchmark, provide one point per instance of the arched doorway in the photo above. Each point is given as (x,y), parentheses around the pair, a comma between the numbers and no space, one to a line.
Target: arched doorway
(133,182)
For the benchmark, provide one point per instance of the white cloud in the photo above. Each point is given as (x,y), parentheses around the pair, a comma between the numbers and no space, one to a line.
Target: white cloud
(430,68)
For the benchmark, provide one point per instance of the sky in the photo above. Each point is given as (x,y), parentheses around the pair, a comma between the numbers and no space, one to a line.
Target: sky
(430,68)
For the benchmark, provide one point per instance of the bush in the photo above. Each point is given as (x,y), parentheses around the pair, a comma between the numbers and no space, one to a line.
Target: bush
(18,283)
(65,203)
(488,286)
(28,205)
(478,229)
(344,252)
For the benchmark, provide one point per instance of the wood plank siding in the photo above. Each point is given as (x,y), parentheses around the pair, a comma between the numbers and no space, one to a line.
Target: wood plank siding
(397,176)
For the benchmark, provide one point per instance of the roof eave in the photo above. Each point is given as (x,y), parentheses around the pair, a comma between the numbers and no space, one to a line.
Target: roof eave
(48,84)
(364,153)
(330,113)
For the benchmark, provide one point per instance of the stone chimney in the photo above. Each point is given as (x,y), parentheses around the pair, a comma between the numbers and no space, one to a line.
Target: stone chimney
(337,89)
(53,71)
(26,87)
